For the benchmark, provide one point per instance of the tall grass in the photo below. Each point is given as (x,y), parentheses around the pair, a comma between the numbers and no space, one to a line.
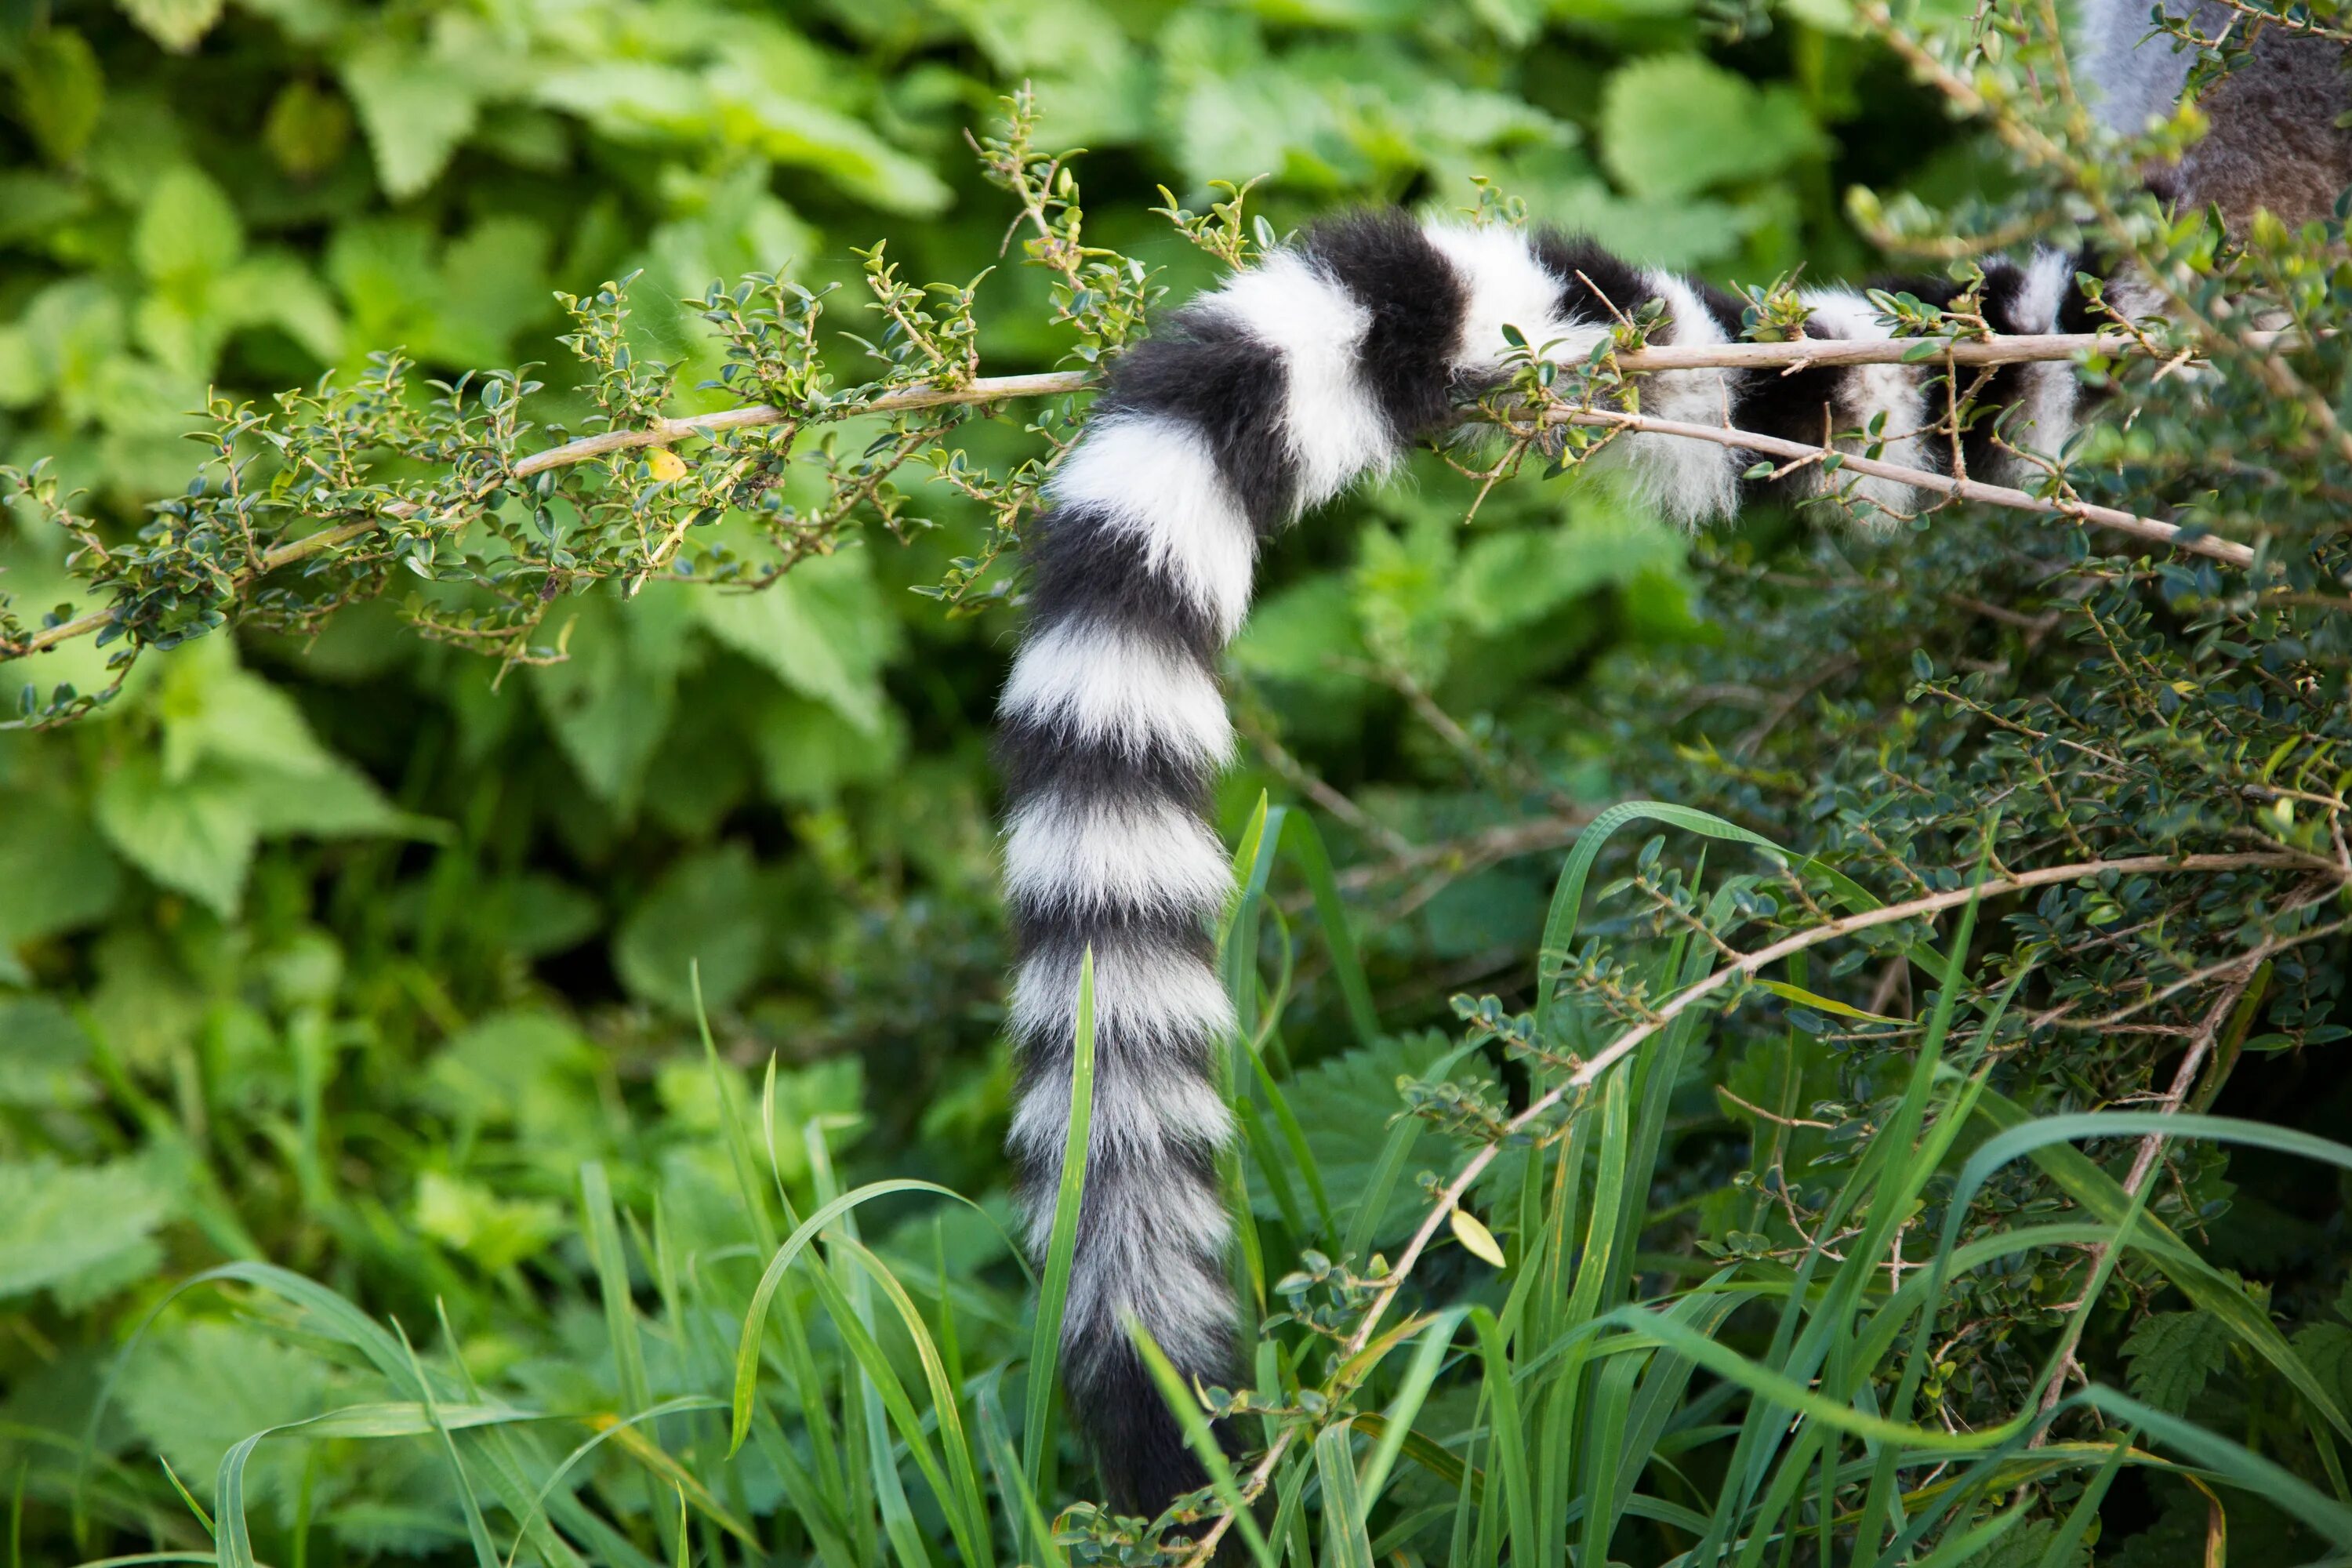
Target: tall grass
(826,1388)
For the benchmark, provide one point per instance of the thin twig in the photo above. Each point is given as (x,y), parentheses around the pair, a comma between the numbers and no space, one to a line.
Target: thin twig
(2144,1162)
(2144,528)
(2019,348)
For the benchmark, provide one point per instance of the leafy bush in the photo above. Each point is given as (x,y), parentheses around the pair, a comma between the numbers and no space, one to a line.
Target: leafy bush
(490,1046)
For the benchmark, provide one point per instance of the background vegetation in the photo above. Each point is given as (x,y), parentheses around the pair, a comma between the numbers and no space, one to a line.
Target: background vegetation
(355,951)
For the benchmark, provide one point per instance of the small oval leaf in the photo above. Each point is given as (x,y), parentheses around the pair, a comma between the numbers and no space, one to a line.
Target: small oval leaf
(1472,1233)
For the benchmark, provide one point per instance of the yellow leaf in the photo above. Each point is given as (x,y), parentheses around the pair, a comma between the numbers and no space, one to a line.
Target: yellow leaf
(1805,998)
(666,465)
(1472,1233)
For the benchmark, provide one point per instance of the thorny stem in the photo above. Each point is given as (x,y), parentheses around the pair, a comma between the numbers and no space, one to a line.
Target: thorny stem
(1583,1077)
(1788,357)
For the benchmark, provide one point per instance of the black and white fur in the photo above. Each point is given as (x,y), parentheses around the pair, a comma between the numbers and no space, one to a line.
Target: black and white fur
(1255,404)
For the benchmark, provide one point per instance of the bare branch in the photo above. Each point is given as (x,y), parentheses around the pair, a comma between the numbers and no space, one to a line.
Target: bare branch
(2144,528)
(2226,1008)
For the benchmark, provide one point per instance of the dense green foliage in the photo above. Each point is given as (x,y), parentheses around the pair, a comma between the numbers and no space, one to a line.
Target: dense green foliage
(361,949)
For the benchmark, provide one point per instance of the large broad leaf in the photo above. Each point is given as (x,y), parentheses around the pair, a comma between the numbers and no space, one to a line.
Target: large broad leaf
(497,1233)
(214,710)
(274,289)
(808,752)
(1680,232)
(337,801)
(199,1391)
(2172,1354)
(610,702)
(187,231)
(55,871)
(1508,580)
(230,736)
(1673,125)
(43,1052)
(1304,633)
(59,90)
(194,835)
(707,910)
(415,110)
(174,24)
(493,285)
(822,627)
(793,128)
(529,1071)
(390,280)
(1344,1105)
(78,1230)
(1403,594)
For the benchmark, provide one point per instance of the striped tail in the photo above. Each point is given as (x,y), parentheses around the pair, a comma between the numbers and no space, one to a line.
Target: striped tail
(1257,402)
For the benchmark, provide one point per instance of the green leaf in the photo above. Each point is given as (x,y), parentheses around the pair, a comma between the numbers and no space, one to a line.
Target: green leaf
(1403,595)
(308,129)
(495,1232)
(706,908)
(808,752)
(1344,1105)
(176,25)
(529,1071)
(195,835)
(338,801)
(57,869)
(1804,998)
(610,702)
(1302,633)
(2172,1354)
(58,91)
(1674,126)
(277,289)
(212,708)
(822,629)
(78,1231)
(493,285)
(34,204)
(188,232)
(795,127)
(1508,580)
(1345,1544)
(2326,1350)
(415,112)
(1061,1237)
(43,1064)
(204,1389)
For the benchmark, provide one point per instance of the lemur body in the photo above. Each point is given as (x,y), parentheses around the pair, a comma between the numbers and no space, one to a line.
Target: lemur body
(1255,403)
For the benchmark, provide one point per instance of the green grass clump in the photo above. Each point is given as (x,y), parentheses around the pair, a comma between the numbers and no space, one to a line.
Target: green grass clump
(814,1373)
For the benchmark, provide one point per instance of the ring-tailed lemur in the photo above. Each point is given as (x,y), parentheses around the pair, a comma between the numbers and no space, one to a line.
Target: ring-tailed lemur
(1261,401)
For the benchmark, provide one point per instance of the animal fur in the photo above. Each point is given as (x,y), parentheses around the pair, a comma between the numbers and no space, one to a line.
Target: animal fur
(1252,404)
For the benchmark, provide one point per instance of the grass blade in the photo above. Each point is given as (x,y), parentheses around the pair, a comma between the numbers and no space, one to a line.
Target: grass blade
(1345,1542)
(1061,1250)
(747,1349)
(1304,842)
(1195,1422)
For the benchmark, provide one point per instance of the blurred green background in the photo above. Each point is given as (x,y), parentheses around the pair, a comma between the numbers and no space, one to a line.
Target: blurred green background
(343,953)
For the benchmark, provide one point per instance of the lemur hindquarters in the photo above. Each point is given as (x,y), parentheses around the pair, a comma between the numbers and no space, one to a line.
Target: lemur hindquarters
(1255,403)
